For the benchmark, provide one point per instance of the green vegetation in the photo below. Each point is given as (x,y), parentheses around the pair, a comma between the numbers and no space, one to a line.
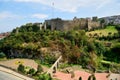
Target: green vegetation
(32,71)
(44,77)
(39,69)
(109,30)
(27,70)
(21,68)
(113,53)
(2,55)
(110,37)
(75,47)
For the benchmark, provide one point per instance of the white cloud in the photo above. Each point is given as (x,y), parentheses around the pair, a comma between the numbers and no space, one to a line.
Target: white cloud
(8,15)
(70,5)
(39,16)
(104,3)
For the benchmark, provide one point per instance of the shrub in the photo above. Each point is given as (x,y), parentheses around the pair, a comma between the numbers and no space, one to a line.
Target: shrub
(90,35)
(21,68)
(32,71)
(39,69)
(2,55)
(45,77)
(50,59)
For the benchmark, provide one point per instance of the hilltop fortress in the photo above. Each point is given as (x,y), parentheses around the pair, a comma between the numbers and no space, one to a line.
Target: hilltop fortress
(75,24)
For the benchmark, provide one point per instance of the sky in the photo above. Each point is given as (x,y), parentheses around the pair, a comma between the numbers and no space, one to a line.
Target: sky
(14,13)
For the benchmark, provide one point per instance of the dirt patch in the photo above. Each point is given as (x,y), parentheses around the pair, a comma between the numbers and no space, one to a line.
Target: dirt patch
(14,63)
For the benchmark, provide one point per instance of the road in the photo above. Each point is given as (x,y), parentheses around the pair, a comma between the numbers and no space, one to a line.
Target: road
(7,76)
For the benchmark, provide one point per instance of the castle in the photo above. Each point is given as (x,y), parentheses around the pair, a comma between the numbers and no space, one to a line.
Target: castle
(75,24)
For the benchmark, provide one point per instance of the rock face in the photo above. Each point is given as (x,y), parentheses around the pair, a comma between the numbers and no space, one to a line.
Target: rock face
(112,19)
(76,23)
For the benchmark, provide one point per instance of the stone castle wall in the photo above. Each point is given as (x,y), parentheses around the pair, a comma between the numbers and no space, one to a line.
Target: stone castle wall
(76,23)
(93,25)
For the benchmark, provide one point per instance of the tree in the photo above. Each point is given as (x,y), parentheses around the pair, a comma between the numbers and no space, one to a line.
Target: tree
(102,21)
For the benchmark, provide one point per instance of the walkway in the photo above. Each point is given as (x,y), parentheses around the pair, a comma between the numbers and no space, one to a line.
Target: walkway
(18,76)
(83,74)
(7,76)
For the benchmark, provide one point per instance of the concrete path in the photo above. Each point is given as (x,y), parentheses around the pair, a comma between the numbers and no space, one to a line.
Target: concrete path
(13,75)
(7,76)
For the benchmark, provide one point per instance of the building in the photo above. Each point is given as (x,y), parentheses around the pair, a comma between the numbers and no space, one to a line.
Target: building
(112,19)
(3,35)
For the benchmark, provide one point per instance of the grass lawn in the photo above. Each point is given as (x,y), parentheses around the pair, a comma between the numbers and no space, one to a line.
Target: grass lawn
(104,32)
(110,63)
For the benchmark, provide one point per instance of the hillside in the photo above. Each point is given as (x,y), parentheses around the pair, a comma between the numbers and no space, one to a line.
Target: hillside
(46,45)
(112,19)
(104,32)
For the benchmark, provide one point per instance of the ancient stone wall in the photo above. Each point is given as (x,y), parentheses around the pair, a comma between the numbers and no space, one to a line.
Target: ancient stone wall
(76,23)
(93,25)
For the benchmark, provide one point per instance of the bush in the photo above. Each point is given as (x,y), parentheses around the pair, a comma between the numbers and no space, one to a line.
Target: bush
(45,77)
(39,69)
(50,59)
(2,55)
(32,71)
(21,68)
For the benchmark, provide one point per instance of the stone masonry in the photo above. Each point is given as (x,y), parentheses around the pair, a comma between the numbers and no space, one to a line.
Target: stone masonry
(75,24)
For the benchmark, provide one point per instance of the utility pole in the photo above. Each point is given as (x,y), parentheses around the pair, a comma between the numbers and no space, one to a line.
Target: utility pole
(53,10)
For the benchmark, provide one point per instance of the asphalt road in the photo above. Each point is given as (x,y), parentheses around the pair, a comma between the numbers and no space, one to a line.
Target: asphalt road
(7,76)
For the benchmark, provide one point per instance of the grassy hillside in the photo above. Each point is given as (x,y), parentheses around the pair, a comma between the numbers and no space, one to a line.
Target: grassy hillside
(46,45)
(105,32)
